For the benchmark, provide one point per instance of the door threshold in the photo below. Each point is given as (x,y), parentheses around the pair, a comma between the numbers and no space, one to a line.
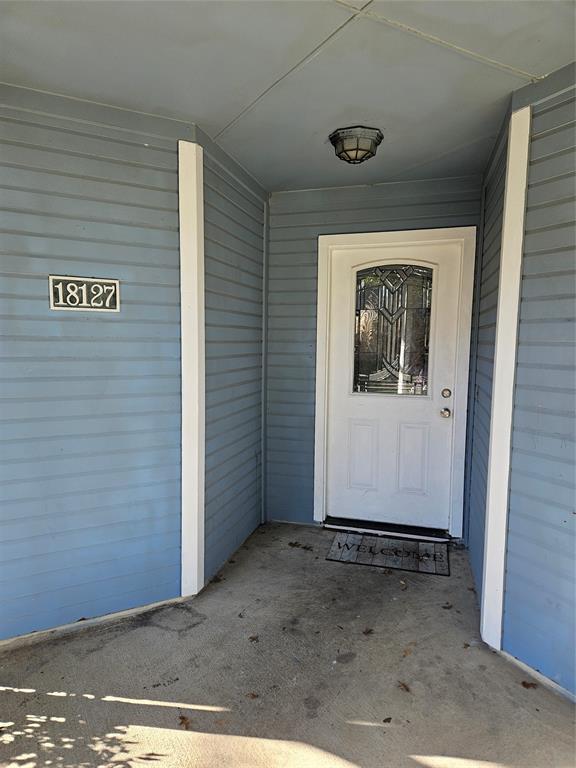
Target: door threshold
(386,529)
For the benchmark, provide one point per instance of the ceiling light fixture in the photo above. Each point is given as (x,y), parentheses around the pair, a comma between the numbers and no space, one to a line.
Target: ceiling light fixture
(355,143)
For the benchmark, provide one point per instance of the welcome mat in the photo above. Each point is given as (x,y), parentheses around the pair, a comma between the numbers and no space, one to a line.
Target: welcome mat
(384,552)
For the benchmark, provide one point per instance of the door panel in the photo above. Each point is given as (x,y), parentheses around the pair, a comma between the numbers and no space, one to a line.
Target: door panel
(413,442)
(363,454)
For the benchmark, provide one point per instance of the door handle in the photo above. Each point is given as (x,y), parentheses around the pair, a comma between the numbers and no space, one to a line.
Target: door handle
(446,413)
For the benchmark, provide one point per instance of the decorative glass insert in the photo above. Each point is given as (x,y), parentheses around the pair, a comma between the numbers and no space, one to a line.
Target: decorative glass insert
(392,332)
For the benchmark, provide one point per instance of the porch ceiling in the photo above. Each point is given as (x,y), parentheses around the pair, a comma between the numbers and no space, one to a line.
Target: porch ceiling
(270,79)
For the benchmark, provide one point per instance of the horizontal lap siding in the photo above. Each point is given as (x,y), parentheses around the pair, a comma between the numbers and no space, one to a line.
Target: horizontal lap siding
(539,622)
(234,258)
(296,221)
(482,363)
(90,403)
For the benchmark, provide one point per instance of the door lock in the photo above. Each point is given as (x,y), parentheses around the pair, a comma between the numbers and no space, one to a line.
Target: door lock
(446,392)
(446,413)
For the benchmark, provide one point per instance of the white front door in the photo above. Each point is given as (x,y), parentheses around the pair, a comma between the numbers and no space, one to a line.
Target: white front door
(395,362)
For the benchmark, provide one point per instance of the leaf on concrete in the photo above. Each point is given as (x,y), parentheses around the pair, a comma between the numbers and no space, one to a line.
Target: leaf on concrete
(403,686)
(526,684)
(298,545)
(368,631)
(254,639)
(184,722)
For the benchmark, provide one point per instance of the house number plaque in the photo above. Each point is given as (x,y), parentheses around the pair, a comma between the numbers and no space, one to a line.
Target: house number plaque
(84,294)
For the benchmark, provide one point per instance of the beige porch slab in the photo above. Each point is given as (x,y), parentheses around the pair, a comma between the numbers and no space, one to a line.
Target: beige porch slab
(288,661)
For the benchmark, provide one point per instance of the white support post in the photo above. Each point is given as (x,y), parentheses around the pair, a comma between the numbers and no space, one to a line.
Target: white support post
(191,214)
(504,377)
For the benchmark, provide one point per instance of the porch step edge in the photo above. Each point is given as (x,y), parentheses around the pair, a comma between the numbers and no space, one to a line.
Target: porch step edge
(383,529)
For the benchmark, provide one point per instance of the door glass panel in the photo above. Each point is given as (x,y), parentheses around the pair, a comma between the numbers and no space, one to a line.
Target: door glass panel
(392,332)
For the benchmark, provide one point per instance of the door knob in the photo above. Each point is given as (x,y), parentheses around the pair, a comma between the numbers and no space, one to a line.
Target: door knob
(446,413)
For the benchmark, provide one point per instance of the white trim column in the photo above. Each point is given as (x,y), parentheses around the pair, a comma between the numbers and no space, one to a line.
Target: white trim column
(191,215)
(504,377)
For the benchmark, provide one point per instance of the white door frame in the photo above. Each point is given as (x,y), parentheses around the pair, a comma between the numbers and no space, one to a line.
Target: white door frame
(191,218)
(329,247)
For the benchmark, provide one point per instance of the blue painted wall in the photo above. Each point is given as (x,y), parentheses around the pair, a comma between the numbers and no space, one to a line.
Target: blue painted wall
(539,621)
(234,213)
(90,403)
(296,221)
(482,352)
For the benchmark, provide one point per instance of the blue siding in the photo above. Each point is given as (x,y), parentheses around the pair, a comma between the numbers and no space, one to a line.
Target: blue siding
(296,221)
(90,403)
(482,357)
(234,215)
(90,438)
(539,621)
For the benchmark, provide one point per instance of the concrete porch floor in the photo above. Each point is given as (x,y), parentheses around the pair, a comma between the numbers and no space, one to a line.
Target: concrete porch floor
(285,661)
